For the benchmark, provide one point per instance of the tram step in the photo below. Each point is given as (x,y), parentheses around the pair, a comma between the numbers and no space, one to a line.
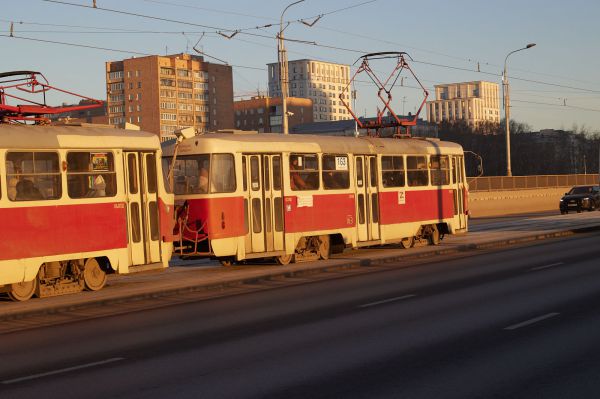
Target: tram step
(143,268)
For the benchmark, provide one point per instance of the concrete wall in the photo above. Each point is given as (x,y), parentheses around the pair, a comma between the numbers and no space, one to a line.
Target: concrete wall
(497,203)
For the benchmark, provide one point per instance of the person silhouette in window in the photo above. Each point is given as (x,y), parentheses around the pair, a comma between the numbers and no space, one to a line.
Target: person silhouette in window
(296,181)
(27,191)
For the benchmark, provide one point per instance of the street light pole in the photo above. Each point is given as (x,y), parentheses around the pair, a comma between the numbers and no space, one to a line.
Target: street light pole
(505,89)
(283,71)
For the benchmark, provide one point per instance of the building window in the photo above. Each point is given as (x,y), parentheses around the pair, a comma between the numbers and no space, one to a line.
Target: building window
(116,86)
(115,75)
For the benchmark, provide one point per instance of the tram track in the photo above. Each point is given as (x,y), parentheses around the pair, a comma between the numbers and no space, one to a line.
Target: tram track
(351,263)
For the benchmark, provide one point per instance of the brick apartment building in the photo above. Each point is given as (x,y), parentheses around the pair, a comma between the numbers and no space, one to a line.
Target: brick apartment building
(263,114)
(163,93)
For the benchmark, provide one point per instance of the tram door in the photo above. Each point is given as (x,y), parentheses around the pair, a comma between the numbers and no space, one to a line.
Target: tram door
(263,203)
(367,198)
(142,207)
(459,180)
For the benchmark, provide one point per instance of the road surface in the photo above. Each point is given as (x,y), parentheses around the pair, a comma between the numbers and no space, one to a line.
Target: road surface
(519,322)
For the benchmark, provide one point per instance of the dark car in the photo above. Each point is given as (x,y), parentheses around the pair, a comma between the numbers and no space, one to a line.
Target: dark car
(580,198)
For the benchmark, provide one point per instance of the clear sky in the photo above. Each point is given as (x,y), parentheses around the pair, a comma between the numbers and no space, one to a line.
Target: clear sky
(553,85)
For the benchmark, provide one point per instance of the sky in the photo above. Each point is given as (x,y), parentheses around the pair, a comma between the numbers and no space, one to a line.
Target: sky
(554,85)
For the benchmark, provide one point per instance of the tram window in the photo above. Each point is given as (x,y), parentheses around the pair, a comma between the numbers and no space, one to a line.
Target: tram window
(256,215)
(335,172)
(132,169)
(254,173)
(454,170)
(151,172)
(191,174)
(359,172)
(153,212)
(373,171)
(416,171)
(278,207)
(267,177)
(361,209)
(304,172)
(91,174)
(277,173)
(134,209)
(244,174)
(268,215)
(375,208)
(222,177)
(33,176)
(392,171)
(440,170)
(165,163)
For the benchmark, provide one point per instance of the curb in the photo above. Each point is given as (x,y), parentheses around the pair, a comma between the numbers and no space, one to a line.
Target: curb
(275,274)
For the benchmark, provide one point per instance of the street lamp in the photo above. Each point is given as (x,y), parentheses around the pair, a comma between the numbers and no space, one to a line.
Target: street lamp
(283,71)
(507,107)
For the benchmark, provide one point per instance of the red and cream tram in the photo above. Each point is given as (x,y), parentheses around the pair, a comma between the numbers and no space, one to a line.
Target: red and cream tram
(298,197)
(77,203)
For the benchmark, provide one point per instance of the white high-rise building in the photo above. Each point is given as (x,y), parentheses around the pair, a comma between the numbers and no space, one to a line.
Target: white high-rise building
(322,82)
(472,102)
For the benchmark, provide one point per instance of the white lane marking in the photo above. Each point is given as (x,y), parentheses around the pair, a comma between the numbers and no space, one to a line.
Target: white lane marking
(61,371)
(398,298)
(531,321)
(547,266)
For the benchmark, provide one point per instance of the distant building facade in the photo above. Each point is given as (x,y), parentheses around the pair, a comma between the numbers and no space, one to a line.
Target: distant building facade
(163,93)
(349,128)
(472,102)
(263,114)
(322,82)
(97,115)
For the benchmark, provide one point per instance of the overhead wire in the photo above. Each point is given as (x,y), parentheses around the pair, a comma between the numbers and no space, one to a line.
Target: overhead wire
(307,43)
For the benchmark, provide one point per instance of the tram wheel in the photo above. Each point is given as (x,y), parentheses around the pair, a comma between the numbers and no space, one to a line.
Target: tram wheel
(284,259)
(324,247)
(93,275)
(227,261)
(434,236)
(22,291)
(407,242)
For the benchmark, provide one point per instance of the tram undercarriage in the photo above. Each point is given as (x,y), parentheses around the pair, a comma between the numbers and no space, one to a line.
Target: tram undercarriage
(61,277)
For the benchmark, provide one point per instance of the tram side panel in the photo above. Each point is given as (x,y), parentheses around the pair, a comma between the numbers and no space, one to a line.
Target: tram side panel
(59,227)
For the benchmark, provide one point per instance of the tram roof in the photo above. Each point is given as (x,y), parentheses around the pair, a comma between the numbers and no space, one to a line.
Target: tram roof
(74,136)
(268,142)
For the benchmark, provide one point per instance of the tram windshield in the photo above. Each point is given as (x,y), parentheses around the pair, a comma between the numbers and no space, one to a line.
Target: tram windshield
(203,173)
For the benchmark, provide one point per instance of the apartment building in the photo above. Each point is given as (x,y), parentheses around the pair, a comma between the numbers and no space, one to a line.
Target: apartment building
(263,114)
(322,82)
(164,93)
(472,102)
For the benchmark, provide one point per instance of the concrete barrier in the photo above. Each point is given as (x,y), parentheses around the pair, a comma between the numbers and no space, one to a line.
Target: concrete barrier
(507,202)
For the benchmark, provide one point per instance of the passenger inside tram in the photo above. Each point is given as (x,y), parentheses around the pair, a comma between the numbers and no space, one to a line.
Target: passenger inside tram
(27,191)
(296,181)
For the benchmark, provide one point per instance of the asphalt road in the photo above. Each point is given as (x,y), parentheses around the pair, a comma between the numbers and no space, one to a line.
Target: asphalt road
(520,322)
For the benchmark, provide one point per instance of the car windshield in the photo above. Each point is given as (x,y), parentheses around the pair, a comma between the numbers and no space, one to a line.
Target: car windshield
(581,190)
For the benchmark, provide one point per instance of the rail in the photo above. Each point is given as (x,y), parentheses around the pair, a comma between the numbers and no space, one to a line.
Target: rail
(497,183)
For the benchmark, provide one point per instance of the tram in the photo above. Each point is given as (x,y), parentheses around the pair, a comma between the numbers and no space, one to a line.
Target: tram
(77,203)
(243,195)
